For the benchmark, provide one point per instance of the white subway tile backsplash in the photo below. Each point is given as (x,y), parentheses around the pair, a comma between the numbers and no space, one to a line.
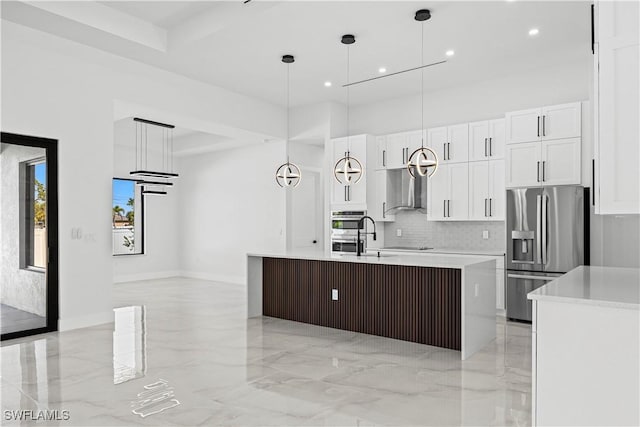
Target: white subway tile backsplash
(462,235)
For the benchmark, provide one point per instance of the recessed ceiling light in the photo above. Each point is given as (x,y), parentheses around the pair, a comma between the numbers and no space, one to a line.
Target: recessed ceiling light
(534,32)
(327,84)
(382,70)
(450,53)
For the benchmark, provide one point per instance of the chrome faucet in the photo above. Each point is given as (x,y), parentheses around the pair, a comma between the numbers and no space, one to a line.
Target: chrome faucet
(360,224)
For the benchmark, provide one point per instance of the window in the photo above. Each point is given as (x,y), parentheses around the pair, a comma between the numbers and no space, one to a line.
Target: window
(127,216)
(33,214)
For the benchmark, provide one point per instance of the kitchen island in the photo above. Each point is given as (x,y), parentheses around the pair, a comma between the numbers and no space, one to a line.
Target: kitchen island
(444,301)
(586,348)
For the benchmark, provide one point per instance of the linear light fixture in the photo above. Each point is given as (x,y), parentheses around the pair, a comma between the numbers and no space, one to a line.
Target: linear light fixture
(142,152)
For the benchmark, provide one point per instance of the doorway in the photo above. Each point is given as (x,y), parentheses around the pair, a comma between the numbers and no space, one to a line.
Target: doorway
(28,235)
(306,212)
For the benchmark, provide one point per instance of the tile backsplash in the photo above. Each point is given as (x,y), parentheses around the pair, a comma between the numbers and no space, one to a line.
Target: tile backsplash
(463,235)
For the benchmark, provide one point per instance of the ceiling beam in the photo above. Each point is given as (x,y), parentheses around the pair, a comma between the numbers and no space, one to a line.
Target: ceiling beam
(108,20)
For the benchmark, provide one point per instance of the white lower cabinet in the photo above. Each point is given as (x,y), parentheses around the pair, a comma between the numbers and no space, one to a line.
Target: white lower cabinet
(449,190)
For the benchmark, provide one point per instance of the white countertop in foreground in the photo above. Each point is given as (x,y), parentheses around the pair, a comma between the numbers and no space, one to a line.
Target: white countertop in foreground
(604,286)
(422,260)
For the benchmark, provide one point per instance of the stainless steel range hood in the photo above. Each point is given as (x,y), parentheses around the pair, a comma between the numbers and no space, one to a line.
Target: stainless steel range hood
(405,193)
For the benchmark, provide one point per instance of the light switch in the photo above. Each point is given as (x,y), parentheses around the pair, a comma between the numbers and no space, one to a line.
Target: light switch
(485,234)
(398,232)
(334,294)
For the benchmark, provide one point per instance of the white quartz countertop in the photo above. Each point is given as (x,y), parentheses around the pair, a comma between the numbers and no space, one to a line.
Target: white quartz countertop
(480,252)
(425,260)
(604,286)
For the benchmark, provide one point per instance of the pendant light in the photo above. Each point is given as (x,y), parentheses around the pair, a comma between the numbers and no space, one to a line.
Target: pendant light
(348,170)
(424,160)
(288,174)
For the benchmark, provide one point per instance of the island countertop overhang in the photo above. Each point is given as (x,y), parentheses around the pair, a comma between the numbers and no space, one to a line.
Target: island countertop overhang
(421,260)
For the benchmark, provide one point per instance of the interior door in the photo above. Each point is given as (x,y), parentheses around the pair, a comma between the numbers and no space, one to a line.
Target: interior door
(306,212)
(28,235)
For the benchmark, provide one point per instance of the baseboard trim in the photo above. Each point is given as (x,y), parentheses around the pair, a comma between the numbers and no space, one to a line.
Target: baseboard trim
(85,321)
(123,278)
(237,280)
(501,312)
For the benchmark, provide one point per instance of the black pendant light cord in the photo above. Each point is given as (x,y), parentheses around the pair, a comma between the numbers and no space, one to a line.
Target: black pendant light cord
(288,113)
(348,133)
(422,78)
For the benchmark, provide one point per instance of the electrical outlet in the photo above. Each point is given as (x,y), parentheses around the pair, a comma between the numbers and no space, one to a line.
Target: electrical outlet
(334,294)
(485,234)
(398,232)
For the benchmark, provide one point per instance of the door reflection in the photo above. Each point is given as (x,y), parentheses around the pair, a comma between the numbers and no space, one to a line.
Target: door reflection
(129,344)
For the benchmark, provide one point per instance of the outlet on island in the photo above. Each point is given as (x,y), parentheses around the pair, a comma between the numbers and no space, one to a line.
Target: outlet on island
(485,234)
(334,294)
(398,232)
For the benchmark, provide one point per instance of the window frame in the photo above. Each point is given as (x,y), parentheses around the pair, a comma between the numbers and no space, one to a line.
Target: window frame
(142,216)
(26,191)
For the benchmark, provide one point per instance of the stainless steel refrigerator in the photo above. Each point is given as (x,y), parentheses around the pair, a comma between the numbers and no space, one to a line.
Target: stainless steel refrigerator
(547,235)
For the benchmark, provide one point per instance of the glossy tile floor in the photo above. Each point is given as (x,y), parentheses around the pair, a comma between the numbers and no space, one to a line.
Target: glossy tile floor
(185,346)
(13,320)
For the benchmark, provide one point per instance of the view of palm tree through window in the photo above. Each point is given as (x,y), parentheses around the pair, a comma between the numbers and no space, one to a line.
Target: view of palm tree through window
(126,218)
(40,215)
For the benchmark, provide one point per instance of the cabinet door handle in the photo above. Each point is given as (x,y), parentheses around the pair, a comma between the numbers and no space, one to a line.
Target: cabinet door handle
(448,208)
(384,158)
(593,30)
(490,200)
(593,177)
(444,208)
(384,209)
(544,127)
(485,147)
(538,171)
(444,151)
(485,207)
(345,193)
(543,177)
(448,151)
(490,146)
(538,126)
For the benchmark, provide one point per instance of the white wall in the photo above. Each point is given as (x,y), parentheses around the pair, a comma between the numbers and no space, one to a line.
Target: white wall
(161,219)
(59,89)
(230,205)
(20,288)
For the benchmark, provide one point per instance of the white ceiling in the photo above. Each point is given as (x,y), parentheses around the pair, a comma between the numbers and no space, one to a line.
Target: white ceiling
(238,46)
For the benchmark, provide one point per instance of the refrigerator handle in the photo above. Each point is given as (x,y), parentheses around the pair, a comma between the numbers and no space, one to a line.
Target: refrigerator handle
(545,202)
(538,227)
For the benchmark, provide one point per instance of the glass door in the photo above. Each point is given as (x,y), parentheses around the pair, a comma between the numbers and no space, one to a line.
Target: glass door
(28,236)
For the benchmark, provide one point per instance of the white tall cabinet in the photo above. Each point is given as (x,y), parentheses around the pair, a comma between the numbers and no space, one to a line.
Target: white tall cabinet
(616,107)
(486,190)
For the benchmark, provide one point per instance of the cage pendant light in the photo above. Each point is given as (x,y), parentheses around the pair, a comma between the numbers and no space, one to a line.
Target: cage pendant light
(423,161)
(288,174)
(348,170)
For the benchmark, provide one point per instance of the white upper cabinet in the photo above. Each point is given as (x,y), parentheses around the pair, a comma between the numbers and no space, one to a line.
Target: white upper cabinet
(381,152)
(486,140)
(396,156)
(523,164)
(377,199)
(449,189)
(523,126)
(561,162)
(437,141)
(616,107)
(458,144)
(544,123)
(561,121)
(486,190)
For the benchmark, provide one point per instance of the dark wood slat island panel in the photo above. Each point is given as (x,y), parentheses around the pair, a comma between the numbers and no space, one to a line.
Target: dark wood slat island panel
(419,304)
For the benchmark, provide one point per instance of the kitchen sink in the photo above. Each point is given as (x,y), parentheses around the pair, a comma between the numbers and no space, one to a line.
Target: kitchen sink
(408,248)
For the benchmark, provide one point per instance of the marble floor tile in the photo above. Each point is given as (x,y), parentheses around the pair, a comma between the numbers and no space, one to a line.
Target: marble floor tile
(186,346)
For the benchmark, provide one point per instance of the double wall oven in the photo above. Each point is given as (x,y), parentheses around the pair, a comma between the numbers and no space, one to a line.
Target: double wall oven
(344,232)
